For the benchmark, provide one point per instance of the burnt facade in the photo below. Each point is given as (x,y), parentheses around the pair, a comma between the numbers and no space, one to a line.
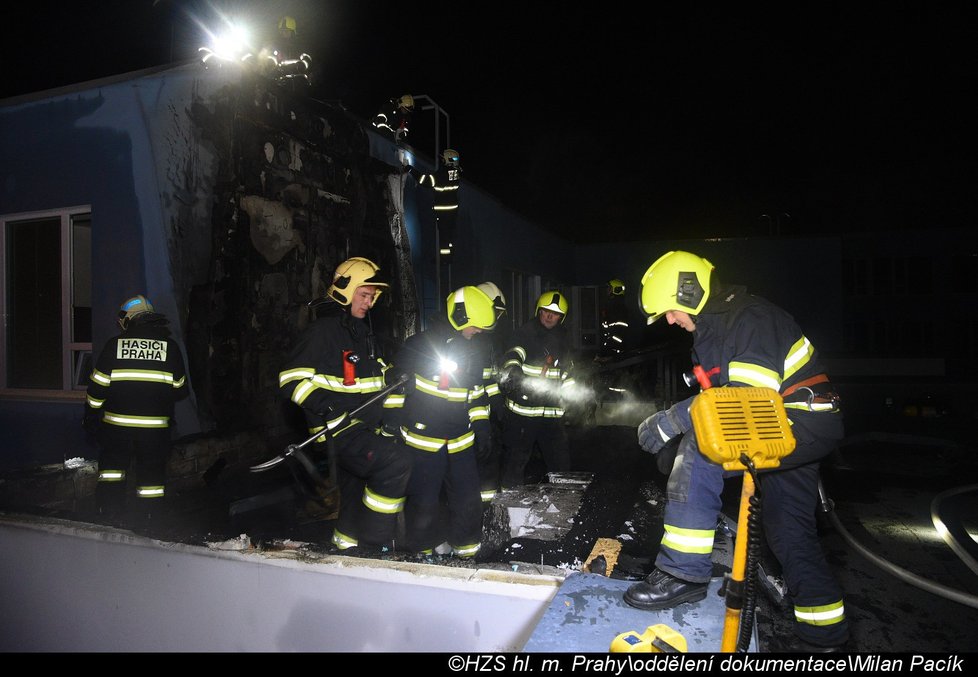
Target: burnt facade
(224,197)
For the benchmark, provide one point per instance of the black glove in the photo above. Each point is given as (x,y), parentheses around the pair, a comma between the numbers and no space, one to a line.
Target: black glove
(511,381)
(483,447)
(90,423)
(662,426)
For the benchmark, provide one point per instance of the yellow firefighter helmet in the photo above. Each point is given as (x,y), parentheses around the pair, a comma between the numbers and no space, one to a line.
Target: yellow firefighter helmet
(406,102)
(676,281)
(554,301)
(352,273)
(286,23)
(616,287)
(470,307)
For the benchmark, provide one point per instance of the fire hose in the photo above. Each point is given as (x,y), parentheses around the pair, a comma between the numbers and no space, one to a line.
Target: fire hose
(828,507)
(294,451)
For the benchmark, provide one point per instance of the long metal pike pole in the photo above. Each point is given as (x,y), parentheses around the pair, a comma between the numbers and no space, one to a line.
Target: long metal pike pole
(292,449)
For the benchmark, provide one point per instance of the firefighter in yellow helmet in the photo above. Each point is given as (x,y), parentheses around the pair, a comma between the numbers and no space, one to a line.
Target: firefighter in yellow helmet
(741,340)
(614,322)
(535,379)
(331,370)
(394,118)
(286,61)
(443,417)
(137,378)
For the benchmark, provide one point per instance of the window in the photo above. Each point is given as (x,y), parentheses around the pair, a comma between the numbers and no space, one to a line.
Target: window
(46,300)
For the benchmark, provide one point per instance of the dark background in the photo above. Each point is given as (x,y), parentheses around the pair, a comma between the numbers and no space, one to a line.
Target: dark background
(610,121)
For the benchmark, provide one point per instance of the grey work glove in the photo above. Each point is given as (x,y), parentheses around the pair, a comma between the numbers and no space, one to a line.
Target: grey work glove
(662,426)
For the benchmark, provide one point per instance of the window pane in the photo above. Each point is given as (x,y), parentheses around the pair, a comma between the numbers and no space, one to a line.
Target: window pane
(81,278)
(33,282)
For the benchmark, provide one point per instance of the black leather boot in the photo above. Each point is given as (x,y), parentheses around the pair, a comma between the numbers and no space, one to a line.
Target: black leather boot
(662,591)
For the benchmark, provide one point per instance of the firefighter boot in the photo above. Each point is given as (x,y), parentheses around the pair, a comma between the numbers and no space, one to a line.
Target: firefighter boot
(663,591)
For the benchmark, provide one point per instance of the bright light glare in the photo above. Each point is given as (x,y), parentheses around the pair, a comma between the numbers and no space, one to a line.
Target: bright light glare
(232,44)
(448,366)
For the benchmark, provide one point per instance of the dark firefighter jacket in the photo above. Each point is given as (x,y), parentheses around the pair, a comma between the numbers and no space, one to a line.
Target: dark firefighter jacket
(391,120)
(535,371)
(138,376)
(444,401)
(331,371)
(746,340)
(444,184)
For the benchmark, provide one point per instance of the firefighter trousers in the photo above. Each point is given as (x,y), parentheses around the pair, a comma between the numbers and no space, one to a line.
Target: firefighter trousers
(520,435)
(789,502)
(457,473)
(145,451)
(373,473)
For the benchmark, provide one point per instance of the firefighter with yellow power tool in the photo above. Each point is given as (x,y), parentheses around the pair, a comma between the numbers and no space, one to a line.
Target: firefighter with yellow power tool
(741,342)
(740,429)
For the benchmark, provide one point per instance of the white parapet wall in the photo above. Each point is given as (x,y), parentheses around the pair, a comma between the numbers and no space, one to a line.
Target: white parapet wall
(66,586)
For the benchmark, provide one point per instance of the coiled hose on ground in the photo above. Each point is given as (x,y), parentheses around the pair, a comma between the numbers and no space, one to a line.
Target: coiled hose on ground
(927,585)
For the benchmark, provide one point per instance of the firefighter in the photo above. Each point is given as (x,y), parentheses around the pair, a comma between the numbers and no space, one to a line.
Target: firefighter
(740,340)
(394,118)
(445,185)
(614,321)
(285,61)
(331,370)
(489,343)
(138,377)
(535,380)
(443,416)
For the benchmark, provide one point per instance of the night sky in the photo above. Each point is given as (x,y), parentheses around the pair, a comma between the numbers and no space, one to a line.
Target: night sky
(602,122)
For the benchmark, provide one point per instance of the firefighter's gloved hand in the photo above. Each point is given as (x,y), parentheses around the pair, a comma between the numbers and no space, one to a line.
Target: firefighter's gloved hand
(511,381)
(390,430)
(483,447)
(90,423)
(403,379)
(662,426)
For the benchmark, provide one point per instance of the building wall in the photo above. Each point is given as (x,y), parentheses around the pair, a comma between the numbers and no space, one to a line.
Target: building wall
(228,201)
(225,199)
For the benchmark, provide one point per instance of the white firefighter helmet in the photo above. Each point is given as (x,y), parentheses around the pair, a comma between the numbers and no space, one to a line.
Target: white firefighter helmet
(133,306)
(498,300)
(450,157)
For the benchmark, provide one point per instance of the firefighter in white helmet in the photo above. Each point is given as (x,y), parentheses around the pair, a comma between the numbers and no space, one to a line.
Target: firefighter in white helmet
(443,416)
(535,379)
(490,345)
(331,370)
(137,378)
